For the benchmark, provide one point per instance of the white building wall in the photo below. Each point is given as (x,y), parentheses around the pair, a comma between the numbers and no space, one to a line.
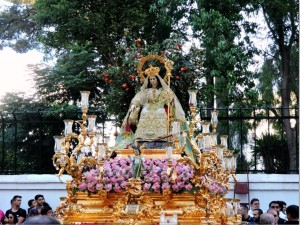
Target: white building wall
(265,187)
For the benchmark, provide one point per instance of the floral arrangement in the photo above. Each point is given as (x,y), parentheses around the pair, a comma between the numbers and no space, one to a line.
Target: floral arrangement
(214,187)
(118,171)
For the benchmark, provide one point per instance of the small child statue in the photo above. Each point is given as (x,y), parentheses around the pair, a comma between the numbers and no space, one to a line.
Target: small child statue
(137,162)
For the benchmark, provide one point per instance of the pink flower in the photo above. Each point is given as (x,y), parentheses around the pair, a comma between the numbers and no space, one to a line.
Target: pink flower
(181,184)
(91,187)
(179,169)
(165,186)
(117,188)
(113,180)
(175,187)
(188,187)
(82,186)
(123,184)
(108,187)
(156,187)
(146,186)
(99,186)
(89,176)
(156,179)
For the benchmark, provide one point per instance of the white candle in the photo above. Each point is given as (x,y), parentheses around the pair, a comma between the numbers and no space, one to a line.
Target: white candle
(101,152)
(68,127)
(224,141)
(169,152)
(205,127)
(58,143)
(207,143)
(85,99)
(234,162)
(193,97)
(92,123)
(219,151)
(214,117)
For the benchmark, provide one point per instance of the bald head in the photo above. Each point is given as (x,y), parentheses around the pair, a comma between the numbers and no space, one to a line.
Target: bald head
(41,219)
(275,213)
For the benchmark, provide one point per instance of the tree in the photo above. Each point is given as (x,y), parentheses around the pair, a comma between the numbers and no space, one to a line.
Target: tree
(25,130)
(282,20)
(227,55)
(17,30)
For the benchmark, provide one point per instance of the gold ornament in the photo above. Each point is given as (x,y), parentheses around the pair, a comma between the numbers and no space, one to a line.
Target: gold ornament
(152,71)
(166,63)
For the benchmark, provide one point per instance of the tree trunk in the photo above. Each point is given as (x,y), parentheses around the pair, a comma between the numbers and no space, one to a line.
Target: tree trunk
(286,90)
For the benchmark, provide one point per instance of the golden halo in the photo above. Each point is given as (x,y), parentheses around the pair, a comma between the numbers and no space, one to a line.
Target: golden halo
(142,62)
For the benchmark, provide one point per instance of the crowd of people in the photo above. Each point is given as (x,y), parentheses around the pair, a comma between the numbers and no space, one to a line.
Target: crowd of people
(277,213)
(39,212)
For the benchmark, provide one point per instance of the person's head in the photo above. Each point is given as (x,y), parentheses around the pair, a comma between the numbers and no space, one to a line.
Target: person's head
(31,203)
(33,212)
(292,213)
(282,204)
(16,201)
(136,150)
(244,211)
(45,204)
(154,82)
(267,218)
(41,220)
(47,210)
(256,214)
(39,199)
(254,203)
(274,205)
(152,72)
(275,214)
(10,218)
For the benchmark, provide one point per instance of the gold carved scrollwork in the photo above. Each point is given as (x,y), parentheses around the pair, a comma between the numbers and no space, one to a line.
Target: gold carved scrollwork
(167,197)
(102,194)
(148,209)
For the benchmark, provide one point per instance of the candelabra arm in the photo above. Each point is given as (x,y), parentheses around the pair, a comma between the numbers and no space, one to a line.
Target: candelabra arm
(74,135)
(78,147)
(234,176)
(62,169)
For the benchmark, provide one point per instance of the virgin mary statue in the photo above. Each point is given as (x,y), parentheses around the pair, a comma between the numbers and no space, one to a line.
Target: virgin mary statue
(149,111)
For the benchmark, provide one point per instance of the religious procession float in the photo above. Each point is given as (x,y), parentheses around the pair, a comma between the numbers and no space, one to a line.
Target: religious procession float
(160,170)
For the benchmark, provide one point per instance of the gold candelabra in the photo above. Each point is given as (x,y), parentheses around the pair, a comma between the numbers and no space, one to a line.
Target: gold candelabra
(74,151)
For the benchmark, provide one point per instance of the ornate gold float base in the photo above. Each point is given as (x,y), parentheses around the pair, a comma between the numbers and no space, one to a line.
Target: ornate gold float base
(114,208)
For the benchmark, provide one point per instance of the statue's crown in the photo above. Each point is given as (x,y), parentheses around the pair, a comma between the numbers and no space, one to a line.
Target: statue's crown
(152,71)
